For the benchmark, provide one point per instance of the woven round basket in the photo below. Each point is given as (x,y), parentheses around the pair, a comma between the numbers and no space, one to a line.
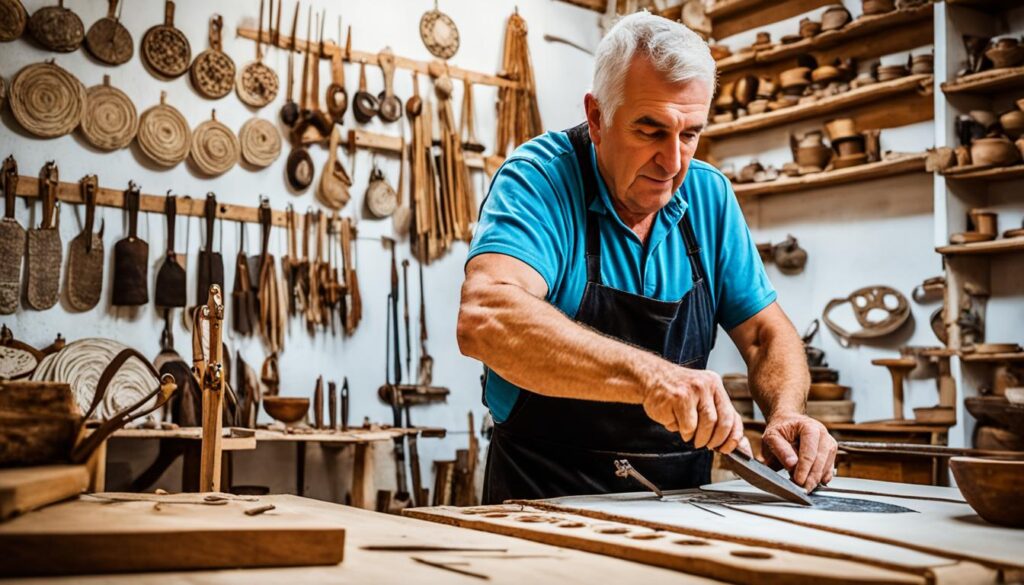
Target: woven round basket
(214,147)
(110,121)
(47,100)
(12,20)
(260,142)
(257,84)
(164,135)
(165,49)
(3,92)
(212,74)
(57,28)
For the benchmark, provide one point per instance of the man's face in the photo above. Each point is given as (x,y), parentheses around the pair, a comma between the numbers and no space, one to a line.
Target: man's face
(644,154)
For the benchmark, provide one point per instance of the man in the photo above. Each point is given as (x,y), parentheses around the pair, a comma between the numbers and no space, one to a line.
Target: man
(604,260)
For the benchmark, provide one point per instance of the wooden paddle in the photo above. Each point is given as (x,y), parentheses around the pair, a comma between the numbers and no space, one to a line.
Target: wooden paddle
(85,256)
(171,278)
(131,258)
(12,242)
(43,251)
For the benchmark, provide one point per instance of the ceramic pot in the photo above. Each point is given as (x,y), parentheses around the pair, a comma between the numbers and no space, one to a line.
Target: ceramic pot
(841,128)
(963,156)
(849,147)
(878,6)
(994,151)
(809,28)
(824,74)
(853,160)
(890,72)
(796,77)
(922,64)
(985,222)
(719,52)
(1006,53)
(1013,123)
(812,158)
(812,139)
(835,18)
(984,117)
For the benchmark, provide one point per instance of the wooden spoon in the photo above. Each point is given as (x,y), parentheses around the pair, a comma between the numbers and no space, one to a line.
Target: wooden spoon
(390,106)
(337,95)
(290,110)
(365,105)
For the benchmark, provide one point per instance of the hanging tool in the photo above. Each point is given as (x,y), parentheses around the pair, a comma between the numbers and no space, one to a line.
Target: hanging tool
(426,369)
(405,307)
(344,404)
(394,378)
(290,110)
(209,370)
(332,405)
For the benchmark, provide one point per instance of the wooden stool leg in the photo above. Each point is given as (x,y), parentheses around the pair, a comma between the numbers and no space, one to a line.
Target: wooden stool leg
(362,477)
(300,467)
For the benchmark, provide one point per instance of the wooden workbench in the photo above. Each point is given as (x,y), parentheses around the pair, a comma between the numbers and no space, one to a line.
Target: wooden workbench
(185,442)
(516,561)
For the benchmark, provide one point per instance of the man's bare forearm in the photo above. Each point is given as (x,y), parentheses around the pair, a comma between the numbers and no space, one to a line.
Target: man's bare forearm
(777,369)
(533,345)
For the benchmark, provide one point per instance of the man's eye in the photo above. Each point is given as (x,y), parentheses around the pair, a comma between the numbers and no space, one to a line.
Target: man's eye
(652,134)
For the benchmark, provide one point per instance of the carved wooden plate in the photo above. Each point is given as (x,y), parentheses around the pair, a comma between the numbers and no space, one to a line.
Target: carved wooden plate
(439,33)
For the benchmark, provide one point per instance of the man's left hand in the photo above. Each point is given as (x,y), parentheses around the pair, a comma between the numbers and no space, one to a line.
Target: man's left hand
(786,434)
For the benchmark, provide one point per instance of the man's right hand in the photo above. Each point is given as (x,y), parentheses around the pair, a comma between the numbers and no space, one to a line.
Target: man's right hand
(694,404)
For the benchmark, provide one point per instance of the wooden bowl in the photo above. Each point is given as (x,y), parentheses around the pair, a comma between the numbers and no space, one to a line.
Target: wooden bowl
(890,72)
(992,488)
(1010,56)
(827,391)
(853,160)
(835,18)
(809,28)
(1013,123)
(286,409)
(994,151)
(831,411)
(813,157)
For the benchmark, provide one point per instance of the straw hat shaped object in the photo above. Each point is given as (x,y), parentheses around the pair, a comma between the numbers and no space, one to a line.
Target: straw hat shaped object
(47,100)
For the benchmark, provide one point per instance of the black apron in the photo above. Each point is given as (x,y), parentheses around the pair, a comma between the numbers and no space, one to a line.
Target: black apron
(550,447)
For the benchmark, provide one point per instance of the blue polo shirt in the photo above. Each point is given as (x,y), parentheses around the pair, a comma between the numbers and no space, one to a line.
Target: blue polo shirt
(534,212)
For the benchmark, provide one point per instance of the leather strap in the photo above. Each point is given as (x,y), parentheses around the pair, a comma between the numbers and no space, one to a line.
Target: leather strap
(49,181)
(89,195)
(10,171)
(171,211)
(265,216)
(131,203)
(210,213)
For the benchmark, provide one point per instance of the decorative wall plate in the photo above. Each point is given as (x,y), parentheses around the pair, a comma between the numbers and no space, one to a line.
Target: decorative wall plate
(47,100)
(57,28)
(439,33)
(213,71)
(110,121)
(165,49)
(260,142)
(108,40)
(215,147)
(13,18)
(164,135)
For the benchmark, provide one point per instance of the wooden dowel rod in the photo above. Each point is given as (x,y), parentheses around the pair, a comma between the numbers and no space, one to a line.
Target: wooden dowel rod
(329,49)
(106,197)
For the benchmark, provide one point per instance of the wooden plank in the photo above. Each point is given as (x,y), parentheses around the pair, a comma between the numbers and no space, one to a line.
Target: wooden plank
(991,174)
(26,488)
(913,85)
(595,5)
(871,171)
(730,17)
(943,528)
(91,535)
(510,561)
(707,557)
(986,81)
(864,38)
(329,49)
(992,357)
(1003,246)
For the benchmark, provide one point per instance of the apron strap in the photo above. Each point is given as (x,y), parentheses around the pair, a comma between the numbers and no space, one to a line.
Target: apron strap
(579,137)
(692,248)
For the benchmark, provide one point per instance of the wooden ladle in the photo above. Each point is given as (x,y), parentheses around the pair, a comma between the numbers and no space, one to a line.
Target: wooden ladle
(365,105)
(414,107)
(390,106)
(337,95)
(290,110)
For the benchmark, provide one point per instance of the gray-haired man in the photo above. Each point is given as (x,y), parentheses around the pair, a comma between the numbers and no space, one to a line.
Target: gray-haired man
(604,261)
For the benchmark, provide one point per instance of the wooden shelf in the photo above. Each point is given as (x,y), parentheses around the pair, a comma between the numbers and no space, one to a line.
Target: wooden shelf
(987,81)
(906,164)
(912,84)
(993,357)
(910,29)
(1003,246)
(729,17)
(990,174)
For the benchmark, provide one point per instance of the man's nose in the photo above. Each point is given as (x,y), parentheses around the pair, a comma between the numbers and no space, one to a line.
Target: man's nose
(670,156)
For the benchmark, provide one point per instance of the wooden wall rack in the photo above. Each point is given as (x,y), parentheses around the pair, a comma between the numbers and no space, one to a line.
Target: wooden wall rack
(919,86)
(354,56)
(860,39)
(887,168)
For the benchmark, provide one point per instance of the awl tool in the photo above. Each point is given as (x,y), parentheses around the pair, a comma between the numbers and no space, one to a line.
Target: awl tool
(624,469)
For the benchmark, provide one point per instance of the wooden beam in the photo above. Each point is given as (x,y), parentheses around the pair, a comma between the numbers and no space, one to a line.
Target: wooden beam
(995,174)
(866,172)
(987,81)
(1003,246)
(729,17)
(912,85)
(329,49)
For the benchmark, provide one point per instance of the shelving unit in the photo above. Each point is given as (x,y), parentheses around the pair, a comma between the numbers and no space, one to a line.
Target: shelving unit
(1003,246)
(731,16)
(989,174)
(915,89)
(992,357)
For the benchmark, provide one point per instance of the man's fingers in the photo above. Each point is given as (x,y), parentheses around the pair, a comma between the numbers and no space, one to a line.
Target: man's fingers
(779,447)
(809,439)
(819,468)
(744,446)
(726,420)
(707,419)
(686,415)
(735,436)
(831,463)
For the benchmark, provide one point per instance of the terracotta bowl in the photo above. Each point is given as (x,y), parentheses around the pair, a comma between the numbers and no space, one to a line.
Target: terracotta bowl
(824,74)
(853,160)
(809,28)
(994,151)
(1013,123)
(835,18)
(878,6)
(1005,57)
(286,409)
(890,72)
(922,64)
(992,488)
(827,391)
(813,156)
(831,411)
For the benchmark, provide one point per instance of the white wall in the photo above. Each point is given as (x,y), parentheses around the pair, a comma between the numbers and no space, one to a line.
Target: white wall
(856,235)
(562,73)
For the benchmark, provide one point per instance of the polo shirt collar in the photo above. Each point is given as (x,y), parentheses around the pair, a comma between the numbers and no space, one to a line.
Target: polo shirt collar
(668,215)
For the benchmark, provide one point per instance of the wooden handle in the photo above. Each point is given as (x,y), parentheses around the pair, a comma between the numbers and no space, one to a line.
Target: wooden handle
(49,179)
(111,8)
(89,185)
(10,178)
(169,13)
(216,26)
(362,77)
(387,67)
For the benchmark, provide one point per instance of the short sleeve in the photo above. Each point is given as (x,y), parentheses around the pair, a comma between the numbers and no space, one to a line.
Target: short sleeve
(743,285)
(523,217)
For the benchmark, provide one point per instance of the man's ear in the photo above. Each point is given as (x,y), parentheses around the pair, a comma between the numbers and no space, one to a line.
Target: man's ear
(593,110)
